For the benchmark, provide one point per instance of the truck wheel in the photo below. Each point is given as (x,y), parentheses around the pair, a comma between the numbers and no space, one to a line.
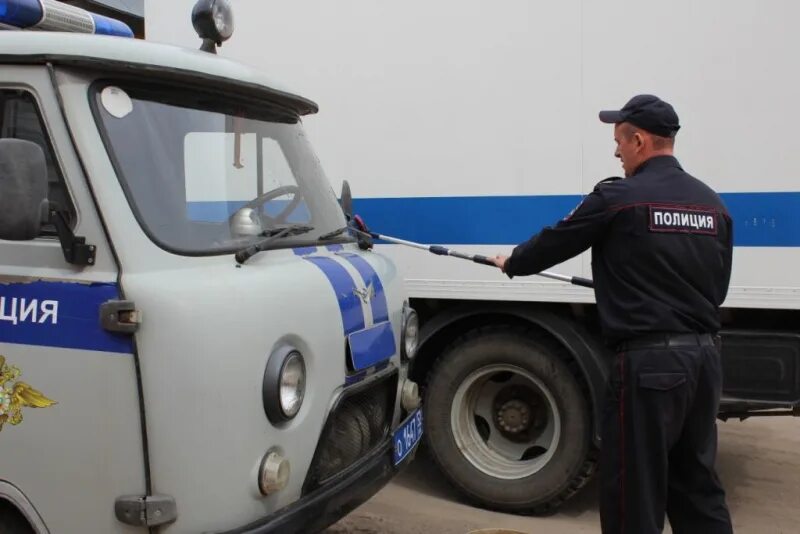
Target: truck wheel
(507,423)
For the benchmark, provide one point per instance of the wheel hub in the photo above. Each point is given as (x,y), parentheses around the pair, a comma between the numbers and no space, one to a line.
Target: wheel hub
(505,421)
(514,416)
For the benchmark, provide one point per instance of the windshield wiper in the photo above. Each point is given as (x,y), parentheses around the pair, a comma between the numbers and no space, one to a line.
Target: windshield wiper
(271,235)
(335,233)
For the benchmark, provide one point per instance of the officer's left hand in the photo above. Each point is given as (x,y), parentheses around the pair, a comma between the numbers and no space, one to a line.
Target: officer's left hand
(500,262)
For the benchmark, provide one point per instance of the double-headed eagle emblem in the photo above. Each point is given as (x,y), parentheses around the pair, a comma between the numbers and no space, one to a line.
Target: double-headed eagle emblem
(365,294)
(16,395)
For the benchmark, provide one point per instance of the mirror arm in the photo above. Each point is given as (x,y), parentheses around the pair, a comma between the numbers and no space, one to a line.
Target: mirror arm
(75,249)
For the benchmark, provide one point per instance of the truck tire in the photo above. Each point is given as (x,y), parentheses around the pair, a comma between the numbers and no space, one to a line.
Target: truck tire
(507,423)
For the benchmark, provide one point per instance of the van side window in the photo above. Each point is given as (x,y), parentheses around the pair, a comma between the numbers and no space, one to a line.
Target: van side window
(20,119)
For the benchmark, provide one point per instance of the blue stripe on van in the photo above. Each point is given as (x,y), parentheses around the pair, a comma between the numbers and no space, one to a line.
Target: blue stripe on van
(59,314)
(760,219)
(343,286)
(304,251)
(371,346)
(380,309)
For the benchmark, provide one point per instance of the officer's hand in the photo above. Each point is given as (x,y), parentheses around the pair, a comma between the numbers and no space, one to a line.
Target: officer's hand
(500,262)
(364,241)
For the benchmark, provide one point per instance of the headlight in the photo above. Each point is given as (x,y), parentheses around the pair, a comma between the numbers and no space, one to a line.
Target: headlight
(410,331)
(213,19)
(284,386)
(293,384)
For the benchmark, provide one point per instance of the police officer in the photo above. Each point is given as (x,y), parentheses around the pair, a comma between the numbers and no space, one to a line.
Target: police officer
(661,260)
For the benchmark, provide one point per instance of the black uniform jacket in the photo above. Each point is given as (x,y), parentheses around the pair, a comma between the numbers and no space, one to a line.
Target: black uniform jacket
(661,243)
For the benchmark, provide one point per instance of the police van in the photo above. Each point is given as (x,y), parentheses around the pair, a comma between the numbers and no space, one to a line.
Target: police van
(472,124)
(190,338)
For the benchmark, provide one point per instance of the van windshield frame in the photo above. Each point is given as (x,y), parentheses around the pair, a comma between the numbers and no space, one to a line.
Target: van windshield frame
(191,162)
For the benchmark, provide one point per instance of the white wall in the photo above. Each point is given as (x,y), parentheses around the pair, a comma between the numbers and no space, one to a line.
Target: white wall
(493,98)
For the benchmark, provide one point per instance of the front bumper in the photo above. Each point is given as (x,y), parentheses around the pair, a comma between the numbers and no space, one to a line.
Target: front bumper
(335,499)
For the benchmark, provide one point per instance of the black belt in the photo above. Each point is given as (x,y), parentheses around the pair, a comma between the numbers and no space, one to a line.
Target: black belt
(667,341)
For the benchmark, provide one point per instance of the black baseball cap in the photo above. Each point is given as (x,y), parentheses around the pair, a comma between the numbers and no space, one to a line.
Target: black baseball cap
(649,113)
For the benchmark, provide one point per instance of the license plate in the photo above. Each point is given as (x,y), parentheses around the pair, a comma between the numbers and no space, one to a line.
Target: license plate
(407,436)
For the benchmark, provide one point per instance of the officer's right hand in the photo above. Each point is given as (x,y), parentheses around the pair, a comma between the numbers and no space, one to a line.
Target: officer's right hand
(500,262)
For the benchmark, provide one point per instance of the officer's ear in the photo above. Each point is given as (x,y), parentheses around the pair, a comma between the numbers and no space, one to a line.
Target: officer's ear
(638,139)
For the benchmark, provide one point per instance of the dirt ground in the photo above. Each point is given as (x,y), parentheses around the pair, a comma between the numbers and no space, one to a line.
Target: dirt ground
(759,464)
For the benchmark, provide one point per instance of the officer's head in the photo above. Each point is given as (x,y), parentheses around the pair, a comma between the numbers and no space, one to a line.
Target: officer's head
(645,127)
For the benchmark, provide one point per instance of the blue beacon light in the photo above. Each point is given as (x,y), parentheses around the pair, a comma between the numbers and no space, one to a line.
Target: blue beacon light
(20,13)
(108,26)
(56,16)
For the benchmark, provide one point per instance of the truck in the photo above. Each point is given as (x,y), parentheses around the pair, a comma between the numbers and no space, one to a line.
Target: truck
(190,338)
(473,124)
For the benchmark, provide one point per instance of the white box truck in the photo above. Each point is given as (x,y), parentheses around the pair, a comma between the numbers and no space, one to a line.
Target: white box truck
(472,124)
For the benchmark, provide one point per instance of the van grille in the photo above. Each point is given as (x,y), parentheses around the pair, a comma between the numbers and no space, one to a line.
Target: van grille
(358,423)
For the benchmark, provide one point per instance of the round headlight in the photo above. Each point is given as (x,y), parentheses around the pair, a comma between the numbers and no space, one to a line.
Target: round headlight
(410,333)
(292,384)
(213,19)
(284,386)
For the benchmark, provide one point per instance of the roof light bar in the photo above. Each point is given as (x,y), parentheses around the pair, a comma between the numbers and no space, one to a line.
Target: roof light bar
(51,15)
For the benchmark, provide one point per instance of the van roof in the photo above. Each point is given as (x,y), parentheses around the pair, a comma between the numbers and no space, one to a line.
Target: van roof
(124,55)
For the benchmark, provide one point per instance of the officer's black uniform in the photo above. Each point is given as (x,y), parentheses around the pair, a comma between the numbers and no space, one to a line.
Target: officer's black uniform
(661,260)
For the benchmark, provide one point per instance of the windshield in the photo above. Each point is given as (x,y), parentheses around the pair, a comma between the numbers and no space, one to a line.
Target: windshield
(208,174)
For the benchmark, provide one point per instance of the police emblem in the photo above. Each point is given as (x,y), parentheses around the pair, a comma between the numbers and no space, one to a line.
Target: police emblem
(365,294)
(16,396)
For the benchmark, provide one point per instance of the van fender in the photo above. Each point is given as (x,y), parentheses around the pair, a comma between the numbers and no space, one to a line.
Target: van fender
(14,495)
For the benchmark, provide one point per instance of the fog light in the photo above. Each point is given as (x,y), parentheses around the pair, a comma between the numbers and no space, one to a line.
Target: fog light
(409,396)
(274,473)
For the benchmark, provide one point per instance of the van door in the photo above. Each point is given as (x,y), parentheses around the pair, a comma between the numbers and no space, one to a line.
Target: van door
(70,425)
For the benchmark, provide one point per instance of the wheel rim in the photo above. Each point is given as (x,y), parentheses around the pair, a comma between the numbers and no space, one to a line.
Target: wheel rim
(505,421)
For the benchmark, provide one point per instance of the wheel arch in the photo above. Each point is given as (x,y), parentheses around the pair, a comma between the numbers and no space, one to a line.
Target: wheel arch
(588,356)
(15,500)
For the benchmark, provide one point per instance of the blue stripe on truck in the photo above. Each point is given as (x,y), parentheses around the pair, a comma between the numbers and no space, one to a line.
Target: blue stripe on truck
(760,219)
(221,210)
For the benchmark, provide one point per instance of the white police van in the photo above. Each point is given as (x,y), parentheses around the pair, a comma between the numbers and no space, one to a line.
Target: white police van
(190,339)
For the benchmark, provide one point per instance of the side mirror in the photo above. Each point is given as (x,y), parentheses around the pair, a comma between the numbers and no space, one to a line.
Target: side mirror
(346,201)
(354,221)
(23,189)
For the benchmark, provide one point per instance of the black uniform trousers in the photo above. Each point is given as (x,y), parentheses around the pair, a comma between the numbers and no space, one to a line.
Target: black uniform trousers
(659,438)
